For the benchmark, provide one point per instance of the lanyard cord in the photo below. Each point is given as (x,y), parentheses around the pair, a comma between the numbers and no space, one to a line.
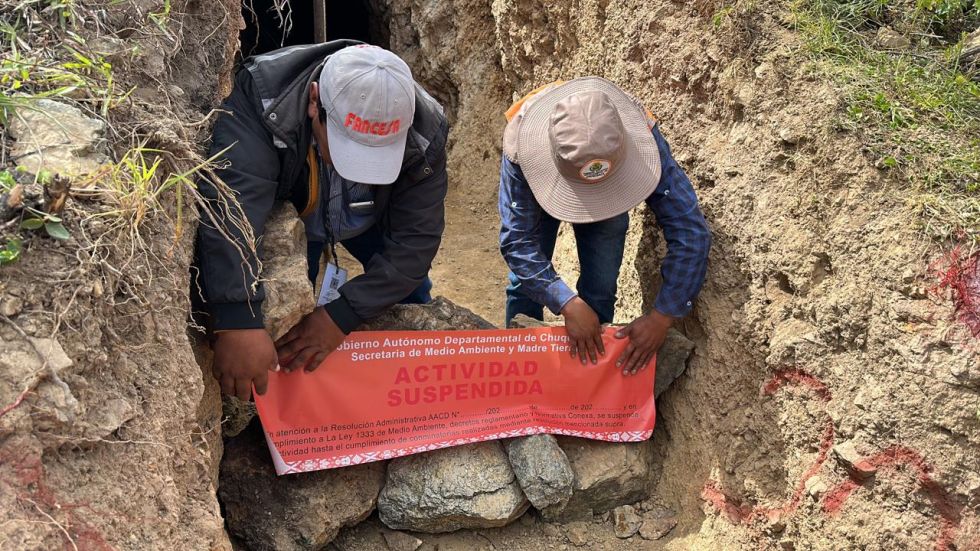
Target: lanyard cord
(333,249)
(328,225)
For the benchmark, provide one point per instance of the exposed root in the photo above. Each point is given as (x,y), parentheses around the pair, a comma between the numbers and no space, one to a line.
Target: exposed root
(17,401)
(61,527)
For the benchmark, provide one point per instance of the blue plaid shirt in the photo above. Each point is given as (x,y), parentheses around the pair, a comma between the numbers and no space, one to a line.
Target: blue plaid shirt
(673,203)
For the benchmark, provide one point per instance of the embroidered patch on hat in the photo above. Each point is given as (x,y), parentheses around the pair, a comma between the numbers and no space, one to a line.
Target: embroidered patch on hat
(596,169)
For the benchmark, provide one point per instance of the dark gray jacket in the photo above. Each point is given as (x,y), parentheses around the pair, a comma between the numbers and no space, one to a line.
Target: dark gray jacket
(269,132)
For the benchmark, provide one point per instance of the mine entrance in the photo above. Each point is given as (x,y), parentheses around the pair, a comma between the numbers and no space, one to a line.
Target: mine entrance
(272,24)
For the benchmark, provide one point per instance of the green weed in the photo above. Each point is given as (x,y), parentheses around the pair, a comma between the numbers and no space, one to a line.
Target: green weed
(731,9)
(10,252)
(32,218)
(946,16)
(161,17)
(63,12)
(720,16)
(7,181)
(51,224)
(45,53)
(916,109)
(137,184)
(29,72)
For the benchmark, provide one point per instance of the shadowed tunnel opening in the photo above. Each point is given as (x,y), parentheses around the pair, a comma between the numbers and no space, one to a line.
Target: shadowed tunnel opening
(272,24)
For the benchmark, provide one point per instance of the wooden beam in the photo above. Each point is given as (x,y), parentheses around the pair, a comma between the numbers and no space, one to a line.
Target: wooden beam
(320,20)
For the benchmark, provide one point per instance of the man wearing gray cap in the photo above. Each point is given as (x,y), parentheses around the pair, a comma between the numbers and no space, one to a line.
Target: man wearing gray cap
(342,130)
(585,152)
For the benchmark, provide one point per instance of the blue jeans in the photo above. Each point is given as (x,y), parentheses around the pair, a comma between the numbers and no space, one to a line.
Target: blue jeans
(600,254)
(363,247)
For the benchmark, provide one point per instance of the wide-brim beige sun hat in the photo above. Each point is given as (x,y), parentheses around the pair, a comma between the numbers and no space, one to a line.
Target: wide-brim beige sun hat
(586,151)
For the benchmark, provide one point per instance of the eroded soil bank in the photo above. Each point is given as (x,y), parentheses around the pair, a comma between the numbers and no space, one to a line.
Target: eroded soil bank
(819,328)
(109,434)
(832,399)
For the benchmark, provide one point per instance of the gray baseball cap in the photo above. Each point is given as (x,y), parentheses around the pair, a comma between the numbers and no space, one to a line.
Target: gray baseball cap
(369,96)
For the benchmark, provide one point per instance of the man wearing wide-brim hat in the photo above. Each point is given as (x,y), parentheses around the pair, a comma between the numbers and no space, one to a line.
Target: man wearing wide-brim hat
(585,152)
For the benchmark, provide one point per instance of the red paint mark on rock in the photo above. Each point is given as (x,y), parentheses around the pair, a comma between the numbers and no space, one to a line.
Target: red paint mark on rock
(826,442)
(891,458)
(799,377)
(733,509)
(738,512)
(836,497)
(901,456)
(35,494)
(961,276)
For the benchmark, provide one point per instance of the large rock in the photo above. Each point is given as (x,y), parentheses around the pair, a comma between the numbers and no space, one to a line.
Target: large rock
(469,486)
(31,376)
(295,512)
(441,314)
(891,39)
(626,522)
(542,469)
(288,294)
(607,474)
(57,137)
(671,360)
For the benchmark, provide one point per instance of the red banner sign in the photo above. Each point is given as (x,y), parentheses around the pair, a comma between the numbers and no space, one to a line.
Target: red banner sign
(392,393)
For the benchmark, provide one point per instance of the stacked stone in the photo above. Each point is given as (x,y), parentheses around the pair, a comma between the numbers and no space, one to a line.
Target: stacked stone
(482,485)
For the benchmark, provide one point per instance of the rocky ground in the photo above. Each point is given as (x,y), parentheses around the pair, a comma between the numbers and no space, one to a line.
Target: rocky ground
(474,487)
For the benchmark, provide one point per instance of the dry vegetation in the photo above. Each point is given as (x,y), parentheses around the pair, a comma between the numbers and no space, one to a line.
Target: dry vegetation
(54,49)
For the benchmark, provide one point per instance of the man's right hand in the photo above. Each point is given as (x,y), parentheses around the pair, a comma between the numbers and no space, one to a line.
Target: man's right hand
(584,330)
(243,357)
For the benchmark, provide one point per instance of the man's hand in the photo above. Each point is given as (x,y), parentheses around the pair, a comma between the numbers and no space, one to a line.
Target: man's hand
(584,330)
(646,334)
(309,342)
(243,357)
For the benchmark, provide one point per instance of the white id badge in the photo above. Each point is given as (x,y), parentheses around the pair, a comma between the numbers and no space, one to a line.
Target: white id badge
(332,280)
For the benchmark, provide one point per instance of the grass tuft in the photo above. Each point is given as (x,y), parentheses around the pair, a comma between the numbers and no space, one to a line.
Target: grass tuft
(915,106)
(45,52)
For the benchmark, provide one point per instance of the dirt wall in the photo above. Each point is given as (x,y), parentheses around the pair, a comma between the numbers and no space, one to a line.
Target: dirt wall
(109,432)
(450,48)
(832,402)
(821,343)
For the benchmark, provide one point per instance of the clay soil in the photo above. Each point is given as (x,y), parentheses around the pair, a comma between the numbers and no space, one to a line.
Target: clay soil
(822,321)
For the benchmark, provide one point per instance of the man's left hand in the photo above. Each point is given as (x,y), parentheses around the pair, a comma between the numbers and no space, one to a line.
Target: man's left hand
(309,342)
(646,334)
